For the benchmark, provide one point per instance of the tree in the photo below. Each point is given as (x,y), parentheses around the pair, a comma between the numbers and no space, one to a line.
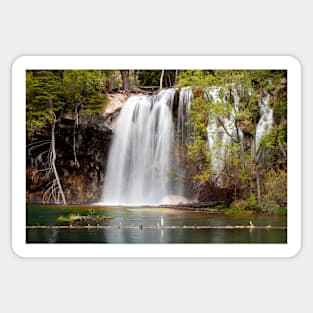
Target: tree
(125,80)
(43,101)
(49,96)
(161,79)
(135,78)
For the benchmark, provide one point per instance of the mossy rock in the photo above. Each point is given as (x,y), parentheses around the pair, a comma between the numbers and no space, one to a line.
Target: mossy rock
(240,205)
(82,218)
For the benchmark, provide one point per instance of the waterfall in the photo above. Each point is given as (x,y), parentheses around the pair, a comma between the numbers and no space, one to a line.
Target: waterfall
(266,120)
(146,163)
(141,160)
(183,133)
(184,106)
(219,137)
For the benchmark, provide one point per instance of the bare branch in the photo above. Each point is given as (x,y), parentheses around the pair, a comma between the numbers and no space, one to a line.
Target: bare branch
(227,132)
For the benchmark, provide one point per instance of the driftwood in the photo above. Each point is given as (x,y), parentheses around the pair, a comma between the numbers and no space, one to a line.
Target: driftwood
(227,227)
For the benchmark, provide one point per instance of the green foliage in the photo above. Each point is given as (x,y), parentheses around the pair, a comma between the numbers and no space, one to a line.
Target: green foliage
(198,79)
(281,211)
(63,219)
(244,170)
(277,135)
(197,150)
(252,201)
(275,193)
(90,218)
(51,93)
(152,78)
(239,212)
(43,98)
(83,88)
(112,80)
(220,207)
(149,78)
(91,211)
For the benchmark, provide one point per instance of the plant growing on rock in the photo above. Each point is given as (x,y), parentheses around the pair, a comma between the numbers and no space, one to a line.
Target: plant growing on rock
(230,101)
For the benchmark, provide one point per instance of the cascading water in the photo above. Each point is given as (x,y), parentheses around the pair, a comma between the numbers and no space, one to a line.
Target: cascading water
(146,160)
(219,137)
(141,159)
(184,106)
(266,120)
(183,133)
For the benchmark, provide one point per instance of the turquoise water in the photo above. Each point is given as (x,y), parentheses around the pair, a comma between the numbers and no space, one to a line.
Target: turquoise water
(122,216)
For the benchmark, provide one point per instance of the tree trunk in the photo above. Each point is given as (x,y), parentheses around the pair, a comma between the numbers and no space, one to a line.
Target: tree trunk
(135,77)
(258,187)
(53,162)
(74,135)
(107,80)
(125,81)
(161,79)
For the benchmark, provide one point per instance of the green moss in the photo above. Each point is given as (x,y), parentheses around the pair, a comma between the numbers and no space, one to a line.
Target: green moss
(275,210)
(62,219)
(282,211)
(233,211)
(82,218)
(220,207)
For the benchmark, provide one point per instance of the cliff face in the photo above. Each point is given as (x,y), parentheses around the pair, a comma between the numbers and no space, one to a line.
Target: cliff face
(81,154)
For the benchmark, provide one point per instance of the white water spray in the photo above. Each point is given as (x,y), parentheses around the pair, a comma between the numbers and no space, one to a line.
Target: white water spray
(141,159)
(266,121)
(183,133)
(145,164)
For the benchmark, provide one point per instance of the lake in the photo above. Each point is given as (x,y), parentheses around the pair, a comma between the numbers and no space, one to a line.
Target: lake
(144,225)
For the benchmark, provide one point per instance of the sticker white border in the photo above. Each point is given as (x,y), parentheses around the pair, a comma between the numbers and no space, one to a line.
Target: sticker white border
(22,249)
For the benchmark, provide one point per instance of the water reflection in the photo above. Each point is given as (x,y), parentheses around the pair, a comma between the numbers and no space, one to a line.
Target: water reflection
(54,236)
(154,217)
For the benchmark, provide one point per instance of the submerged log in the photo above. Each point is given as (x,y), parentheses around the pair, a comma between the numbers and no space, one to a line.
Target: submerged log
(86,218)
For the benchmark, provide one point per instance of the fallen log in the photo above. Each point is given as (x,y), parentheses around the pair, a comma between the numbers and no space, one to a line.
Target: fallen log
(225,227)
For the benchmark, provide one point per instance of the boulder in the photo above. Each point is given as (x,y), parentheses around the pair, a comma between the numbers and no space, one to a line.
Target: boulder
(211,192)
(239,204)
